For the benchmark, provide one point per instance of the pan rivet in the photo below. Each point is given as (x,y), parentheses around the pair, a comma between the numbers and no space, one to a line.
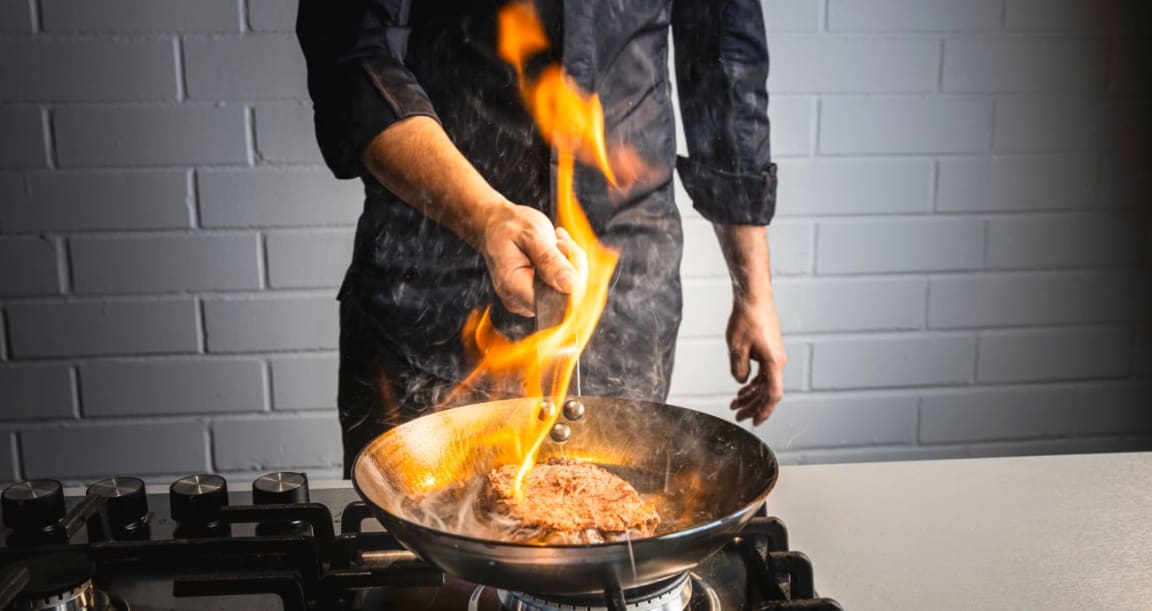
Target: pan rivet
(573,410)
(561,432)
(547,410)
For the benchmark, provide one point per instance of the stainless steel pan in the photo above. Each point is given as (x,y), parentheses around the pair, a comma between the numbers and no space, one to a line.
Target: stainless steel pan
(707,476)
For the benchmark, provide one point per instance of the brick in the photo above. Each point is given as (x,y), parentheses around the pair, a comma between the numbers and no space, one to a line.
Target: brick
(36,392)
(253,67)
(275,198)
(792,118)
(869,246)
(272,15)
(90,328)
(1022,413)
(24,144)
(817,306)
(285,134)
(303,259)
(151,136)
(89,201)
(140,16)
(1124,182)
(87,70)
(900,125)
(1066,240)
(1003,183)
(854,186)
(1054,354)
(791,15)
(277,442)
(15,16)
(790,243)
(109,449)
(1111,444)
(304,381)
(172,386)
(913,15)
(271,323)
(1031,299)
(1061,16)
(827,64)
(1049,123)
(1131,64)
(823,421)
(1006,65)
(30,267)
(868,454)
(702,368)
(810,306)
(893,361)
(160,264)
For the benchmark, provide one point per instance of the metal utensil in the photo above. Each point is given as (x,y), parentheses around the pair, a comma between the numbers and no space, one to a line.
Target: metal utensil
(707,476)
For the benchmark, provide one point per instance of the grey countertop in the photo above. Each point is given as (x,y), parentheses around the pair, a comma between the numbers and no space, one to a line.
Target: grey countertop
(1041,532)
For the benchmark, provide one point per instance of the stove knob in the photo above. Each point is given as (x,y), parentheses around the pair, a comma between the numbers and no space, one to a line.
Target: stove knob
(125,500)
(197,499)
(280,488)
(35,504)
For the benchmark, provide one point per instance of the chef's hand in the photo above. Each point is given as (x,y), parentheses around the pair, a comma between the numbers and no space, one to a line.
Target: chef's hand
(519,243)
(754,335)
(417,161)
(753,329)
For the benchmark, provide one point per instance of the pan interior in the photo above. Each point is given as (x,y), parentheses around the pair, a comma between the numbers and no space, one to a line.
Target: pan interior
(695,468)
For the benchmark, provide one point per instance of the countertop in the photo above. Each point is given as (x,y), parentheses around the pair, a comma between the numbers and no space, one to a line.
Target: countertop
(1022,533)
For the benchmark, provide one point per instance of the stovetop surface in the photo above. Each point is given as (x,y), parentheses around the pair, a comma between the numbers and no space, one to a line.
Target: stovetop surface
(330,554)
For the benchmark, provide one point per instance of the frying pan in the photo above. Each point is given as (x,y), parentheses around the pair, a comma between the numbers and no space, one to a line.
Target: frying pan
(706,475)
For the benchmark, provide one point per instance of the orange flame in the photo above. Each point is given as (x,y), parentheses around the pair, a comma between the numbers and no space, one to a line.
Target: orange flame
(571,121)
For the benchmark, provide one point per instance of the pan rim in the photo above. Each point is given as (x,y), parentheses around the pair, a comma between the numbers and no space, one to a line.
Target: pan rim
(758,500)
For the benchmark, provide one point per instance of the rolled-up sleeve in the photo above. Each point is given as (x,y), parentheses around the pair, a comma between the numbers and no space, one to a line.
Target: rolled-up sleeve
(721,76)
(357,77)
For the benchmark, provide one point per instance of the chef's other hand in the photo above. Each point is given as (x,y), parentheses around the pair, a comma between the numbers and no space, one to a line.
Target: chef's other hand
(754,335)
(519,242)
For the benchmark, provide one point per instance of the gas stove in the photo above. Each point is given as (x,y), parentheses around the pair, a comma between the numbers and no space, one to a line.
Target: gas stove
(281,545)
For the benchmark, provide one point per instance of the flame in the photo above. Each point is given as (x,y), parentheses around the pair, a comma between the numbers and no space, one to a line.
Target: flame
(571,121)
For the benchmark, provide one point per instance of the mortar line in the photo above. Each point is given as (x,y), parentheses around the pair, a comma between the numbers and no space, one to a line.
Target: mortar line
(64,272)
(17,455)
(262,260)
(46,133)
(178,52)
(5,332)
(266,379)
(37,16)
(77,407)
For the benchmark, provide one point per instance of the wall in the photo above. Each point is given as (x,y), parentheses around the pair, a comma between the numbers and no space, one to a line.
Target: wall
(958,250)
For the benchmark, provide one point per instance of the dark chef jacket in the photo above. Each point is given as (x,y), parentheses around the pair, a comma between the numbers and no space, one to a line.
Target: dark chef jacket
(411,283)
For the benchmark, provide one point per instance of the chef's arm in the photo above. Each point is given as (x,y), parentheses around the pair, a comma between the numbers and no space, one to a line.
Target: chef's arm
(721,74)
(415,160)
(753,332)
(374,120)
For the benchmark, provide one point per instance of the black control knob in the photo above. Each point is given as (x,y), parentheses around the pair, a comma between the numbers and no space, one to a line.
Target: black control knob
(280,488)
(31,505)
(197,499)
(125,500)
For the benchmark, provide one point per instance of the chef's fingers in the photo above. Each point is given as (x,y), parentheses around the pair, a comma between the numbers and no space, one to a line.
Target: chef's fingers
(549,262)
(576,255)
(514,288)
(738,360)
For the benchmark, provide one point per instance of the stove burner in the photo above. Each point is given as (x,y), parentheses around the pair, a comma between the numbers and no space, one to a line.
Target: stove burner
(62,582)
(683,593)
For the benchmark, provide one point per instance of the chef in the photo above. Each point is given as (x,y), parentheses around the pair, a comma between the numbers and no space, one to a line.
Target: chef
(413,99)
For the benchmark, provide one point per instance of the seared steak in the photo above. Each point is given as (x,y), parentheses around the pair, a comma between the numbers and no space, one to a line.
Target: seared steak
(568,502)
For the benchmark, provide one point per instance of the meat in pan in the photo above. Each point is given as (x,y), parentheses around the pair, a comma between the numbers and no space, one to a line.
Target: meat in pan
(568,502)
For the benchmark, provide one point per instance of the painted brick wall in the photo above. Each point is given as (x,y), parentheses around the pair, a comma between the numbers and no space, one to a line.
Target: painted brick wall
(961,254)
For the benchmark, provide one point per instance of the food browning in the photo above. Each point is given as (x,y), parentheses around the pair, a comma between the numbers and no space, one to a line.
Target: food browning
(568,502)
